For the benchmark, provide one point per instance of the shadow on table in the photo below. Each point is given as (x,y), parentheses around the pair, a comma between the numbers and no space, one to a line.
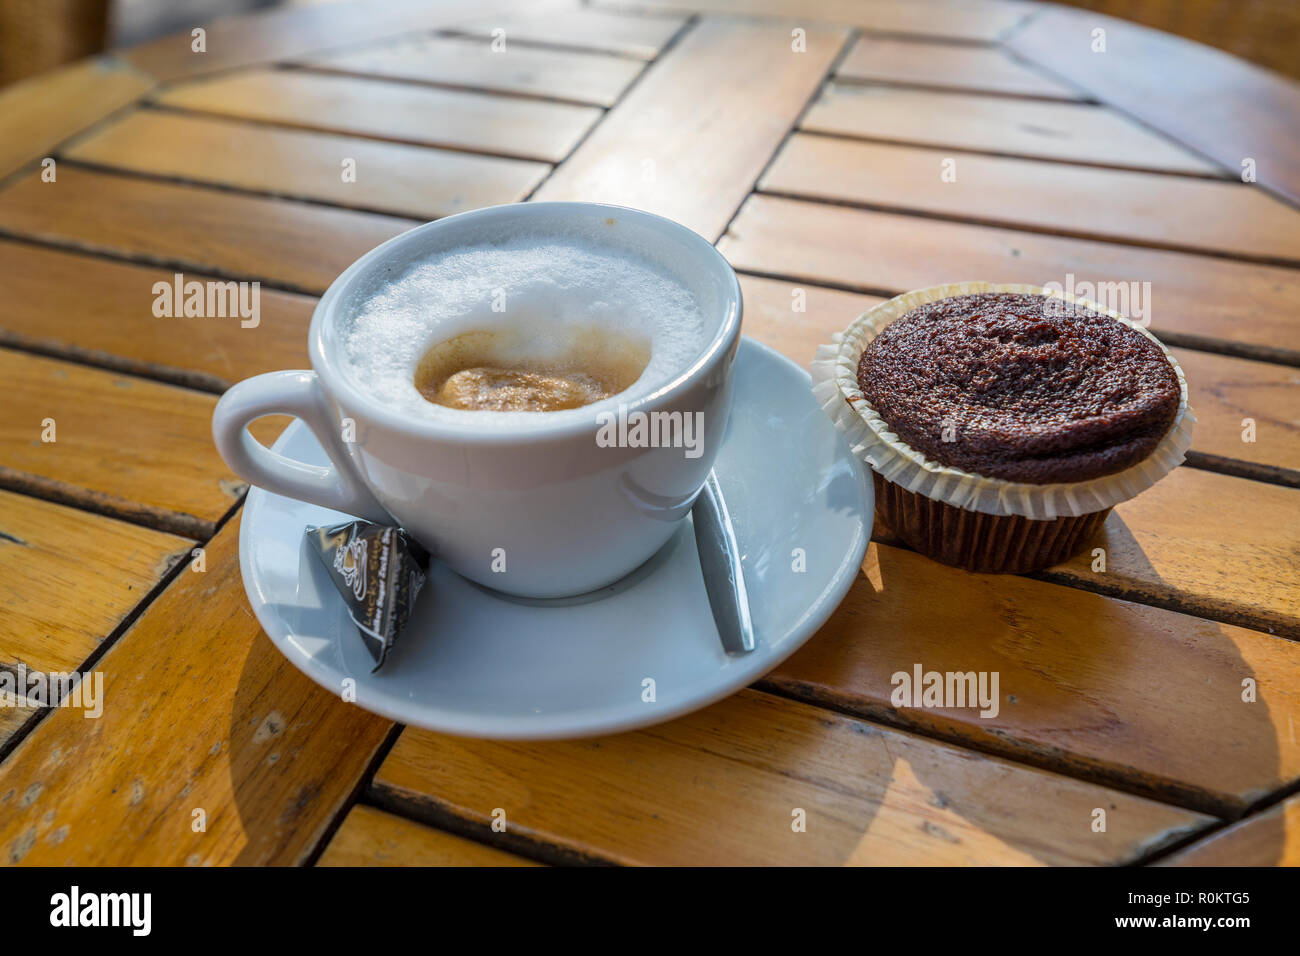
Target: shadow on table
(296,753)
(297,750)
(1185,683)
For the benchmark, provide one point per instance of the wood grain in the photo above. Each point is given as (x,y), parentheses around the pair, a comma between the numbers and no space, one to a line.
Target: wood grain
(1192,299)
(1229,395)
(297,245)
(300,29)
(1208,544)
(570,75)
(1223,107)
(691,138)
(583,28)
(38,114)
(1271,838)
(1077,690)
(947,66)
(68,578)
(105,317)
(1142,208)
(370,837)
(456,119)
(390,177)
(960,19)
(722,786)
(794,318)
(135,447)
(1070,132)
(226,726)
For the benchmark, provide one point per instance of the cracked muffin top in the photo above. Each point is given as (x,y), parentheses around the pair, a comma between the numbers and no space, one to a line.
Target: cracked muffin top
(1023,387)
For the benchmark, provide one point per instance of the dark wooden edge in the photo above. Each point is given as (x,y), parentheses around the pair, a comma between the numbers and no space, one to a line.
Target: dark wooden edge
(149,516)
(94,358)
(431,811)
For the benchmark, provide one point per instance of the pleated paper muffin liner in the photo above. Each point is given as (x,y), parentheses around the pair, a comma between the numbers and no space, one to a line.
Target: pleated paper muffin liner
(835,384)
(977,541)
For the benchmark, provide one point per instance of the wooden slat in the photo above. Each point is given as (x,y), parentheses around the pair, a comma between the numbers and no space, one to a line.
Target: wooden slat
(1071,132)
(390,177)
(105,317)
(293,244)
(1209,544)
(1077,689)
(132,447)
(572,75)
(458,119)
(1270,839)
(302,29)
(960,19)
(947,66)
(38,114)
(68,578)
(1224,391)
(1220,105)
(693,136)
(772,314)
(370,837)
(1192,298)
(721,787)
(200,712)
(1144,208)
(583,28)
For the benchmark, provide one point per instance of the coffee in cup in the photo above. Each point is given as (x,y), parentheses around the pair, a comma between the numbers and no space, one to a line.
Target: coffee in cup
(522,326)
(550,503)
(487,370)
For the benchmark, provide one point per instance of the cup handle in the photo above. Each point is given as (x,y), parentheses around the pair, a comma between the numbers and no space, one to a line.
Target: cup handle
(297,393)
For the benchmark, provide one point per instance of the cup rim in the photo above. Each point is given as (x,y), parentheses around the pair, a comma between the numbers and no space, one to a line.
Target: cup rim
(336,383)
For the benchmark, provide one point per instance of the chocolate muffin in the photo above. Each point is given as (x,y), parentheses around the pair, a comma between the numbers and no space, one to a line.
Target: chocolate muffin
(1021,387)
(1001,423)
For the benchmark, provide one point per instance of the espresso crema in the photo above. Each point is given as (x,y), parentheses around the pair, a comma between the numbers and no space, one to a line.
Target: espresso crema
(492,371)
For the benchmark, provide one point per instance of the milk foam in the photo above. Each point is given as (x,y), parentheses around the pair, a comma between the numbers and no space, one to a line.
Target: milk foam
(549,289)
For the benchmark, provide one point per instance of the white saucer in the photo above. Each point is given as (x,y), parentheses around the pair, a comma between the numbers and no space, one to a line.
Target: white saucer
(478,664)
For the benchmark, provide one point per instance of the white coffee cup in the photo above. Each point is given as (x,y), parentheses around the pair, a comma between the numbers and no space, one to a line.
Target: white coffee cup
(537,510)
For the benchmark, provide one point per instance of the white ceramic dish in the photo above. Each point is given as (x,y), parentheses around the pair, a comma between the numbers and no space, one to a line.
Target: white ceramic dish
(476,663)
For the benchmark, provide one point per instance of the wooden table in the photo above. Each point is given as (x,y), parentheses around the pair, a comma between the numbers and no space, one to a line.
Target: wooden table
(1163,689)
